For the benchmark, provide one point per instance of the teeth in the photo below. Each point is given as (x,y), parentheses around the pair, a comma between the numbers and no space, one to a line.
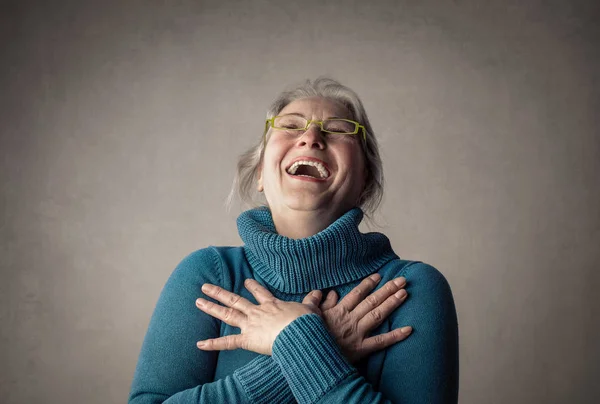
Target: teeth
(322,170)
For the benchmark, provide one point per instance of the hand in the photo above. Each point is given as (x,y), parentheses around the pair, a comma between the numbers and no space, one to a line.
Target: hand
(351,320)
(260,324)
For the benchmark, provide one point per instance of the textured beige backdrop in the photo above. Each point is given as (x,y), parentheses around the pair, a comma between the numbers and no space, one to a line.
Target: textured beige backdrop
(120,127)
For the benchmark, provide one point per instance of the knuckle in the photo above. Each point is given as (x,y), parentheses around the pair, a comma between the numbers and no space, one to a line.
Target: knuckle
(357,291)
(372,300)
(379,340)
(390,287)
(234,299)
(376,315)
(228,314)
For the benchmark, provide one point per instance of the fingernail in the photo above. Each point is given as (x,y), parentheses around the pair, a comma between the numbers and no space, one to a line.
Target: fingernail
(376,277)
(207,287)
(401,294)
(200,344)
(199,302)
(406,330)
(400,281)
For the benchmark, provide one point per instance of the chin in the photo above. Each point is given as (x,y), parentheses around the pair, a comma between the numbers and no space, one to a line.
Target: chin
(305,206)
(305,202)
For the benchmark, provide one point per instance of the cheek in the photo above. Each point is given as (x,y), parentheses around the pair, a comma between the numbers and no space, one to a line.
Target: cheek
(272,160)
(270,155)
(275,148)
(359,168)
(354,158)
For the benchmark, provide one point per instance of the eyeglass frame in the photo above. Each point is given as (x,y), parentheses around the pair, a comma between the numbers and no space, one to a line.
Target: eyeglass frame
(270,123)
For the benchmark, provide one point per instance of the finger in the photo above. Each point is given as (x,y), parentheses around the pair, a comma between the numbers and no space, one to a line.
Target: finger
(356,295)
(227,343)
(228,315)
(330,301)
(260,293)
(379,342)
(227,298)
(376,316)
(313,298)
(379,296)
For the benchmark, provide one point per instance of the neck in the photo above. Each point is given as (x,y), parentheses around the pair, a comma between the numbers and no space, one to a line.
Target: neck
(297,224)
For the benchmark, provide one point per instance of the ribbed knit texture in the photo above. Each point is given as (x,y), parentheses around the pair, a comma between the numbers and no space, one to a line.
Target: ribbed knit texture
(309,358)
(337,255)
(264,382)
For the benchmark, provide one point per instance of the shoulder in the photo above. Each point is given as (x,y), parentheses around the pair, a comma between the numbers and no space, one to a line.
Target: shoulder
(425,284)
(205,264)
(417,272)
(212,264)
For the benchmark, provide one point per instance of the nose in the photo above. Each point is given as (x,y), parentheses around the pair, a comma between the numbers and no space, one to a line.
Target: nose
(312,137)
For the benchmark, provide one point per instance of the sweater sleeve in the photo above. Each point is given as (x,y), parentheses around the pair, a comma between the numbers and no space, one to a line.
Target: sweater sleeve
(421,369)
(171,369)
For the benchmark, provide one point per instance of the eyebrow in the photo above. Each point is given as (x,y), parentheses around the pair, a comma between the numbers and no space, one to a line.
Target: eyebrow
(297,114)
(301,115)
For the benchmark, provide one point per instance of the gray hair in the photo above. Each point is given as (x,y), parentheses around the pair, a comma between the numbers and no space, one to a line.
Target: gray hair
(244,183)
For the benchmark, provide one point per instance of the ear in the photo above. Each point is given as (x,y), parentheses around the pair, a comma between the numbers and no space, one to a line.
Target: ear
(259,186)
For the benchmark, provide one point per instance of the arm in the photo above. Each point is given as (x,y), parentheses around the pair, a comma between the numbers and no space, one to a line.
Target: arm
(171,369)
(422,369)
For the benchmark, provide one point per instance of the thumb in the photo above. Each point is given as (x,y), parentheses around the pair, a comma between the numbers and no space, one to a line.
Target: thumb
(330,300)
(313,298)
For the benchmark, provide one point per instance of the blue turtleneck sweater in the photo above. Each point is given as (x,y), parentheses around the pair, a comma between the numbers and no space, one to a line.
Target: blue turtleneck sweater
(307,365)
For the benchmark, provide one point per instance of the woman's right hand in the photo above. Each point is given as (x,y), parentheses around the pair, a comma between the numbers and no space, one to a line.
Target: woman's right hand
(351,320)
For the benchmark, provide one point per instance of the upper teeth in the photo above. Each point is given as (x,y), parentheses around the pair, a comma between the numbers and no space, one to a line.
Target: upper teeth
(322,170)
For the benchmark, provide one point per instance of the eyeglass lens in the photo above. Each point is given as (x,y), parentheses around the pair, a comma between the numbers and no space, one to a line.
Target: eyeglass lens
(295,122)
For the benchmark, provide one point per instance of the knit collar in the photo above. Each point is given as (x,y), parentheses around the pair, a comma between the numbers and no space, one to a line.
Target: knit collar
(337,255)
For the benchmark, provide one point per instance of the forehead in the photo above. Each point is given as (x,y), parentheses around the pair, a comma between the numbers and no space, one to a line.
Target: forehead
(316,107)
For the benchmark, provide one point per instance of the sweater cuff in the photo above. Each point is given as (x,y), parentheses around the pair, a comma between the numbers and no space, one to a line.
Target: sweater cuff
(309,358)
(263,381)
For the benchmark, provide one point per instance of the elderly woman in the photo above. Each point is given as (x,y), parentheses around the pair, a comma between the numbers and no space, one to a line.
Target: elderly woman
(305,310)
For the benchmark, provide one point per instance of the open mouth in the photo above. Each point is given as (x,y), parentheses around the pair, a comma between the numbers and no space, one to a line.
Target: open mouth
(308,169)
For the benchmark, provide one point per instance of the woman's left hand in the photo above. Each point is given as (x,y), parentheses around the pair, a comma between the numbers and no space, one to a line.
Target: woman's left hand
(260,324)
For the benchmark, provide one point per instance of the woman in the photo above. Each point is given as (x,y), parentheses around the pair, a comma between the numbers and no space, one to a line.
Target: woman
(272,337)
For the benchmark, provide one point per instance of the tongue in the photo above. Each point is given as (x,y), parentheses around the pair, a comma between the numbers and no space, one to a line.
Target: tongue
(308,170)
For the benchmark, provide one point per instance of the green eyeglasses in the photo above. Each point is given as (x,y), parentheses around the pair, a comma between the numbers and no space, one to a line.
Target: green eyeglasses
(295,124)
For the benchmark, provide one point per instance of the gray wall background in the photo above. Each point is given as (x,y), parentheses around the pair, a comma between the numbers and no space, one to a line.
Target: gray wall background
(120,127)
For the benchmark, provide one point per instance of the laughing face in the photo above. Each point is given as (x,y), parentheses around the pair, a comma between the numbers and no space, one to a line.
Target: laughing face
(312,170)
